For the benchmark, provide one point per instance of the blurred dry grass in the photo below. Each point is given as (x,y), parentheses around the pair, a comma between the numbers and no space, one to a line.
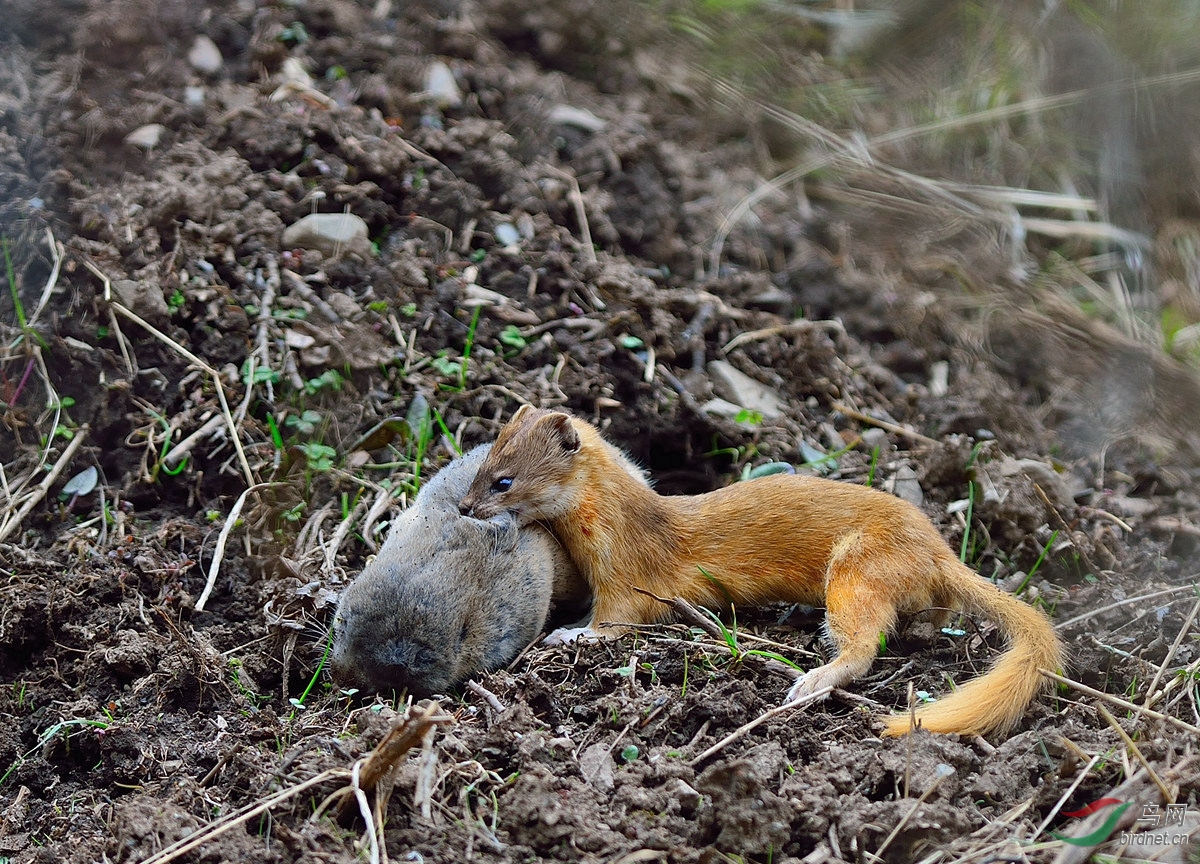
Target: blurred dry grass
(1033,162)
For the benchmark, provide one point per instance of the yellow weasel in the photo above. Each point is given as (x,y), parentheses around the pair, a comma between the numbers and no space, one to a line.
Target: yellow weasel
(867,556)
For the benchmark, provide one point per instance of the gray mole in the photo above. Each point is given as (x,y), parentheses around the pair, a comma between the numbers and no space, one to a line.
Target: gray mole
(448,596)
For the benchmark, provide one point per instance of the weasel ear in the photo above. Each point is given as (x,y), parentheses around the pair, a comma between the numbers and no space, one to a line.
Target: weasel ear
(560,431)
(522,413)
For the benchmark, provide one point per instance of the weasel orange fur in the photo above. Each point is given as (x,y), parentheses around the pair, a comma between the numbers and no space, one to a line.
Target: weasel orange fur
(867,556)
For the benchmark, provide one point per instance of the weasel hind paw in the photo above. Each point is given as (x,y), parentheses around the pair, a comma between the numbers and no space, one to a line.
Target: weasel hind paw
(812,681)
(566,635)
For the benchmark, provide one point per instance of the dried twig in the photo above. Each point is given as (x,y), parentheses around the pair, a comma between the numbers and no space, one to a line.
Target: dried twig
(178,451)
(758,721)
(402,737)
(883,424)
(1064,528)
(487,696)
(297,284)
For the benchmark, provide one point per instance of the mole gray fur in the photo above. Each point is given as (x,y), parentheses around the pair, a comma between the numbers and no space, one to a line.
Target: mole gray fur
(448,596)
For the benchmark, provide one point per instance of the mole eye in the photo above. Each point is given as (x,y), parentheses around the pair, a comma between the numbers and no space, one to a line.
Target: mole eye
(502,484)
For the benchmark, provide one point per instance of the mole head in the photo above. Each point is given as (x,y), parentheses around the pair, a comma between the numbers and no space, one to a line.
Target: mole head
(409,641)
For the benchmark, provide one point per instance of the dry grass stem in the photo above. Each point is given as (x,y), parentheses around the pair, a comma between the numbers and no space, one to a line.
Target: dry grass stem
(122,343)
(575,196)
(334,545)
(1128,601)
(383,500)
(364,809)
(222,539)
(1168,795)
(426,774)
(263,330)
(309,536)
(758,721)
(407,732)
(8,496)
(1062,799)
(53,403)
(211,831)
(33,497)
(1116,700)
(56,255)
(114,305)
(1152,692)
(883,424)
(1189,676)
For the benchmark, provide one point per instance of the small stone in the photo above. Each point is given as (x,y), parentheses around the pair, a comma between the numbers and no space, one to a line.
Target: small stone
(299,341)
(146,137)
(904,484)
(205,56)
(939,379)
(721,408)
(507,234)
(875,439)
(440,86)
(142,299)
(689,799)
(331,234)
(597,767)
(580,118)
(743,390)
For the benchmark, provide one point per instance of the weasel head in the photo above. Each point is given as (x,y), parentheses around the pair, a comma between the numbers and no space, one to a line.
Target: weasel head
(529,471)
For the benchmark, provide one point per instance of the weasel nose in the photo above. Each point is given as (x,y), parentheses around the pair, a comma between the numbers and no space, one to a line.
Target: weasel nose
(464,508)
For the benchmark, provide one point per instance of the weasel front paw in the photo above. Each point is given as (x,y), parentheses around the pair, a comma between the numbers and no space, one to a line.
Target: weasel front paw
(566,635)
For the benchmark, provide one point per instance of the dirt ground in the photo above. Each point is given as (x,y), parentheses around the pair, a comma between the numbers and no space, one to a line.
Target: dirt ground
(539,193)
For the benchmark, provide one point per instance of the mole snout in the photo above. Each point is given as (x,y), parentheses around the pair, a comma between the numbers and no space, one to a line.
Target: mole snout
(393,664)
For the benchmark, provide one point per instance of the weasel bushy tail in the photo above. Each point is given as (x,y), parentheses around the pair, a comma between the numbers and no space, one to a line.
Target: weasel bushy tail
(994,701)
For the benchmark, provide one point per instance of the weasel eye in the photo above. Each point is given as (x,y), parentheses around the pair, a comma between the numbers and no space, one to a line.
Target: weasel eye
(502,484)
